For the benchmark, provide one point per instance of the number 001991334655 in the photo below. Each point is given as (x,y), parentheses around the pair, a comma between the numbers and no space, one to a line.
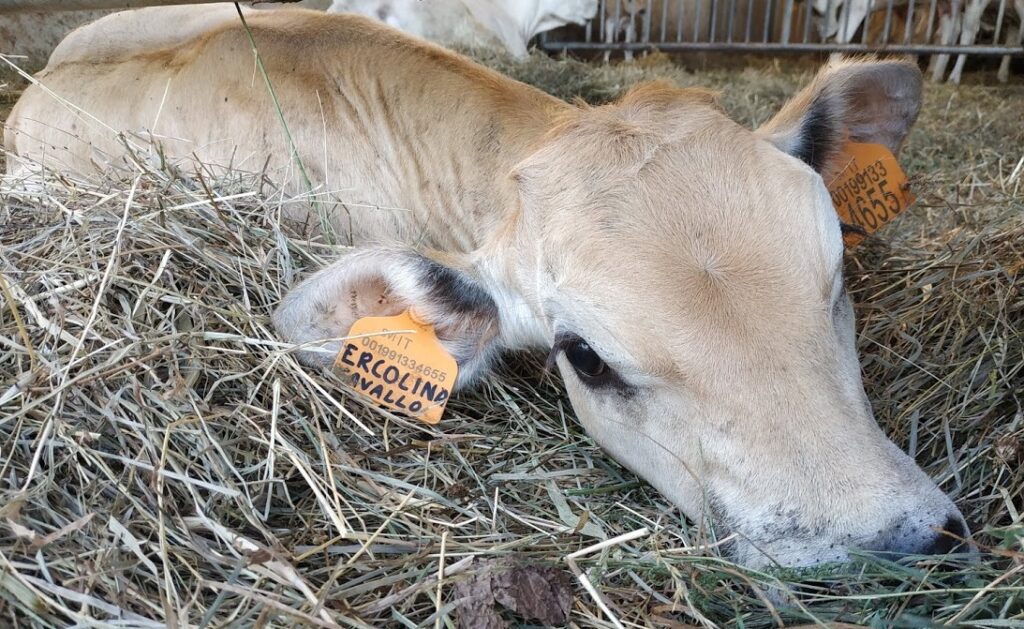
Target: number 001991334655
(870,190)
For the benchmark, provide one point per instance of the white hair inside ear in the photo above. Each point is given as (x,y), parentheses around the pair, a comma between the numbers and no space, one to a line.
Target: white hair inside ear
(380,282)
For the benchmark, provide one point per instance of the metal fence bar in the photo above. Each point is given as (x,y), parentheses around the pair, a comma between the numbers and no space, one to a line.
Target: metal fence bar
(714,19)
(602,10)
(664,21)
(999,21)
(679,27)
(750,22)
(696,20)
(864,25)
(648,15)
(909,28)
(807,21)
(787,21)
(931,21)
(731,10)
(888,22)
(665,15)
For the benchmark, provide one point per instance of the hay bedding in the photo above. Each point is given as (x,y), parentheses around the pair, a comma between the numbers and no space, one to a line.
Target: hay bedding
(164,460)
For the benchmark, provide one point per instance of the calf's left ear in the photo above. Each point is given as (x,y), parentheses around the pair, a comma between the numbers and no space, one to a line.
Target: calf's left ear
(863,101)
(381,282)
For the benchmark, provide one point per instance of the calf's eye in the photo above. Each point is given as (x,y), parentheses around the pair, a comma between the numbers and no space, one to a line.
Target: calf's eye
(592,371)
(584,360)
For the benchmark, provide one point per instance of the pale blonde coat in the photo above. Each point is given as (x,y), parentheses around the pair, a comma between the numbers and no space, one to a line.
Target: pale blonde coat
(685,272)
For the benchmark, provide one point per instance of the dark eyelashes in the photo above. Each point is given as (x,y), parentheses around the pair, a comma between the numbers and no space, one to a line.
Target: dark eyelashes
(562,341)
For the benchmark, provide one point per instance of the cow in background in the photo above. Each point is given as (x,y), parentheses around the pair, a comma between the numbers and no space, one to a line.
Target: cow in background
(474,23)
(30,37)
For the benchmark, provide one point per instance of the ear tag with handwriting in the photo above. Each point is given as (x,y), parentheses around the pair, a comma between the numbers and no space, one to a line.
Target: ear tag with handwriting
(870,190)
(398,363)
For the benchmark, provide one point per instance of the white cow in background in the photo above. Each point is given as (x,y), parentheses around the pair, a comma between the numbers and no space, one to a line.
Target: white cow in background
(510,24)
(504,24)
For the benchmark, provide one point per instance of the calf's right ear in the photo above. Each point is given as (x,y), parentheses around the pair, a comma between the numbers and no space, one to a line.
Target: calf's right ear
(863,101)
(381,282)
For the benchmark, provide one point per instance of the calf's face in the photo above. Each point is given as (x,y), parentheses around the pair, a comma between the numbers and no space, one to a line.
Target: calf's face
(690,274)
(687,273)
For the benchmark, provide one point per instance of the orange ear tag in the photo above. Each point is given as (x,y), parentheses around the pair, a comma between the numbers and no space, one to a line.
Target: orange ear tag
(398,363)
(871,189)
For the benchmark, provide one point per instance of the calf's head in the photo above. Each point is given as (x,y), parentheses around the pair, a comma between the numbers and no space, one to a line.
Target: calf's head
(687,275)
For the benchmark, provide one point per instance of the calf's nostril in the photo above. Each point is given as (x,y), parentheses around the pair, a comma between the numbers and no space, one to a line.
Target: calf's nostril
(956,527)
(949,539)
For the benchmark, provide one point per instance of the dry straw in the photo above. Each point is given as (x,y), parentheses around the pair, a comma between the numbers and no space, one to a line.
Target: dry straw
(164,460)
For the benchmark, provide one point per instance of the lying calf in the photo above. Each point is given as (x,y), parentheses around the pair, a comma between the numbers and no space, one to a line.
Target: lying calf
(685,272)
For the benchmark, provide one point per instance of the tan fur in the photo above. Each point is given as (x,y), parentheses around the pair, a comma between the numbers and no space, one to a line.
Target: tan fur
(697,259)
(359,65)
